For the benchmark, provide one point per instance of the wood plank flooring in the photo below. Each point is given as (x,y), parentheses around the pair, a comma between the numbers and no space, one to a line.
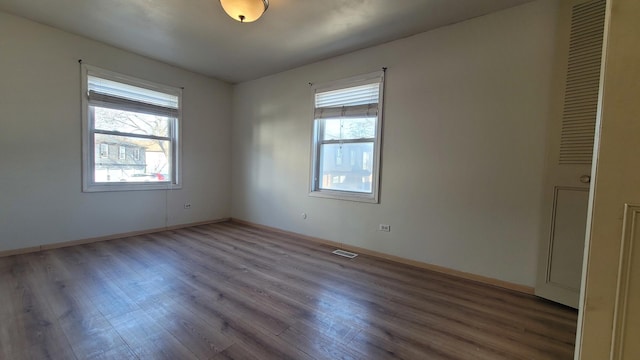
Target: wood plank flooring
(230,291)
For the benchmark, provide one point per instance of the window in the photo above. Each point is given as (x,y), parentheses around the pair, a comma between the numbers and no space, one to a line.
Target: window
(346,138)
(104,150)
(134,117)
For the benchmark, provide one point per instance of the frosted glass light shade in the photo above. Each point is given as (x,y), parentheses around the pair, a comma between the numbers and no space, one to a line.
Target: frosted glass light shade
(245,10)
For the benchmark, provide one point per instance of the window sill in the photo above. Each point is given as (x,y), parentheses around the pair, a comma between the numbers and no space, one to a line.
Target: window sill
(129,187)
(345,195)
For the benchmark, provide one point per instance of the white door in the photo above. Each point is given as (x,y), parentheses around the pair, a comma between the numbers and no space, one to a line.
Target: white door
(571,134)
(609,321)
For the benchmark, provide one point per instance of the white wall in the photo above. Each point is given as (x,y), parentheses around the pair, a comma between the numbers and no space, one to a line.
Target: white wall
(40,142)
(466,110)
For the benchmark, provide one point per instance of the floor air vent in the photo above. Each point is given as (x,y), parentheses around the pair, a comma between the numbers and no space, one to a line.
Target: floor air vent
(347,254)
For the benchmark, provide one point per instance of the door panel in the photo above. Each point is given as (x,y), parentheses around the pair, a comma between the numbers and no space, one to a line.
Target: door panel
(627,316)
(568,230)
(571,134)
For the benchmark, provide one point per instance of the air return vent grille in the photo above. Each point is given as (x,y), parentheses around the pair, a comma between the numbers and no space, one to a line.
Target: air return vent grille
(344,253)
(583,79)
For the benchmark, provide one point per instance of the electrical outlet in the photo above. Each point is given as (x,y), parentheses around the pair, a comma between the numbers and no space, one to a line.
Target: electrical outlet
(384,227)
(187,205)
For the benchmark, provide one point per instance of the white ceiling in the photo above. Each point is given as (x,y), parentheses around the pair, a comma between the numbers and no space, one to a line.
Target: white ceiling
(197,34)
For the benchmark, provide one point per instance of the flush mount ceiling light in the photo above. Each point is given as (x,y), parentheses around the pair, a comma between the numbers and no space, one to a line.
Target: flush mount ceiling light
(245,10)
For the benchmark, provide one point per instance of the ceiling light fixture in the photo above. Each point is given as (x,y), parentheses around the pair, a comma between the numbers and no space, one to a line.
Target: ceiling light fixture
(245,10)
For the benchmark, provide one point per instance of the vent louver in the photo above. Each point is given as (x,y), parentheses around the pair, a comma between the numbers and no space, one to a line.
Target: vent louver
(344,253)
(582,83)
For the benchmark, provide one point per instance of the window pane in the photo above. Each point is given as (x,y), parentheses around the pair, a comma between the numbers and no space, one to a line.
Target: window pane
(145,159)
(346,167)
(131,122)
(349,128)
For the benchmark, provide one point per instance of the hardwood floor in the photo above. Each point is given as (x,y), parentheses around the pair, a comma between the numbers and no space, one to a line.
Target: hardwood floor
(230,291)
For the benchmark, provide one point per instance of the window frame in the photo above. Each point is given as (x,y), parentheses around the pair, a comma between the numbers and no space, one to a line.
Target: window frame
(88,144)
(316,143)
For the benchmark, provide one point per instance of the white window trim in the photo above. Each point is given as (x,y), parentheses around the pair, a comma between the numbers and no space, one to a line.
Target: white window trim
(88,150)
(314,189)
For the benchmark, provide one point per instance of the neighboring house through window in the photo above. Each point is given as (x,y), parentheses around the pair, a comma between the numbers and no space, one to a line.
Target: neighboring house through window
(124,115)
(347,138)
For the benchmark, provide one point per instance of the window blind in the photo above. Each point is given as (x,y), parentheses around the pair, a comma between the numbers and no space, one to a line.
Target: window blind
(111,94)
(354,102)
